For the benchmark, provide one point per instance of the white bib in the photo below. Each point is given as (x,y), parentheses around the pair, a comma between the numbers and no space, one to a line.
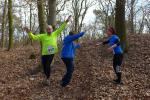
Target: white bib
(50,50)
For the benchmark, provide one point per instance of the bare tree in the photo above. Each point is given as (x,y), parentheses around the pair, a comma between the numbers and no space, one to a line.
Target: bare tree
(131,6)
(11,29)
(53,8)
(52,12)
(147,20)
(105,13)
(4,24)
(60,5)
(41,16)
(79,10)
(141,23)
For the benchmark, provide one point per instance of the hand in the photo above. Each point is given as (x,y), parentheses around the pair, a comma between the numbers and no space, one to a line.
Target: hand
(27,29)
(98,44)
(81,42)
(68,19)
(110,49)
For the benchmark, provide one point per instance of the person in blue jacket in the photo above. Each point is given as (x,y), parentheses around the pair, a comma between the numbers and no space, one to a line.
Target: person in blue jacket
(68,54)
(114,43)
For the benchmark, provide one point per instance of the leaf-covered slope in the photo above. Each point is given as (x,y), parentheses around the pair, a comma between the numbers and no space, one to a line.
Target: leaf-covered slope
(92,78)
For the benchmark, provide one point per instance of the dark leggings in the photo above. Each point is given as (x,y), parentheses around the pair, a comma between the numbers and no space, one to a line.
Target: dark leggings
(46,62)
(70,68)
(117,61)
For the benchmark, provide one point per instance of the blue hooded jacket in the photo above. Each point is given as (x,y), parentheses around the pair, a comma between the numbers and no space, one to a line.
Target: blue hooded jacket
(114,39)
(68,49)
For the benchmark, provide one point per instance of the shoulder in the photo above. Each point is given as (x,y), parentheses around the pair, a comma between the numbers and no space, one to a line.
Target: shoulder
(66,37)
(43,34)
(114,37)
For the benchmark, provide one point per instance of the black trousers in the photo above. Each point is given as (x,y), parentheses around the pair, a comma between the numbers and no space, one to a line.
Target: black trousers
(46,63)
(117,61)
(70,68)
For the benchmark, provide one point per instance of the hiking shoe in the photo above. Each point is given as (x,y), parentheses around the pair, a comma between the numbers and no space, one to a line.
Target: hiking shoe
(118,82)
(46,82)
(63,84)
(115,80)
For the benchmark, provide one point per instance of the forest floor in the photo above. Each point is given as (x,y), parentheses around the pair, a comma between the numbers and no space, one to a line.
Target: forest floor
(92,78)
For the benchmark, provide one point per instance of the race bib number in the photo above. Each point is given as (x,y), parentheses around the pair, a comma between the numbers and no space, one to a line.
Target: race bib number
(50,49)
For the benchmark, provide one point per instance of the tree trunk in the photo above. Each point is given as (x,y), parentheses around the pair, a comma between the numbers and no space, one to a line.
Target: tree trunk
(41,16)
(31,19)
(141,25)
(10,17)
(76,23)
(52,16)
(79,9)
(42,24)
(30,16)
(4,24)
(120,22)
(132,17)
(52,13)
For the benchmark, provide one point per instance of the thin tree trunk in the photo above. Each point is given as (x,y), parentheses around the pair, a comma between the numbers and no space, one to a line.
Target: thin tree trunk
(141,25)
(30,16)
(10,17)
(4,24)
(31,19)
(132,16)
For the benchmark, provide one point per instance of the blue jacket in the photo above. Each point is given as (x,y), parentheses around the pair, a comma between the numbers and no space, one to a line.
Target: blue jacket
(68,49)
(114,39)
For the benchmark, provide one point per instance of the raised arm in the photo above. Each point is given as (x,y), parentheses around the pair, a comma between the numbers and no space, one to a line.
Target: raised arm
(105,42)
(31,35)
(62,27)
(75,37)
(34,37)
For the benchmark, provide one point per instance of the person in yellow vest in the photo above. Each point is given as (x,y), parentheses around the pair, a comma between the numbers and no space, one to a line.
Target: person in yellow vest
(49,46)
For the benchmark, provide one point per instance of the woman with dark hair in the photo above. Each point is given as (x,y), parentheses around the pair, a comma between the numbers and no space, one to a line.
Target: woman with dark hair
(114,43)
(68,54)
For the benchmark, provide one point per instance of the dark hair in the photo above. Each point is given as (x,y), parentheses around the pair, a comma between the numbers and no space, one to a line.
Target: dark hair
(71,33)
(112,30)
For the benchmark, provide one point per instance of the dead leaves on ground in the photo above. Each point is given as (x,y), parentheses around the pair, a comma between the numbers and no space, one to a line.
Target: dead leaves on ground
(92,78)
